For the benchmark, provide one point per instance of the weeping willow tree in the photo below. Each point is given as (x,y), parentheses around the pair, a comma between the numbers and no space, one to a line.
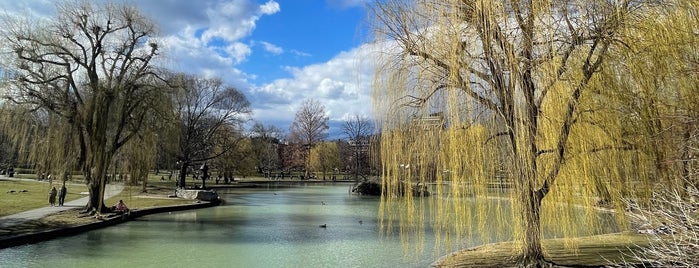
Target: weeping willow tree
(325,158)
(484,93)
(88,75)
(40,137)
(234,154)
(139,158)
(658,78)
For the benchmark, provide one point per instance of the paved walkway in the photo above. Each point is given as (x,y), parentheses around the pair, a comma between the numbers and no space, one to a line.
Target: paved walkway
(35,214)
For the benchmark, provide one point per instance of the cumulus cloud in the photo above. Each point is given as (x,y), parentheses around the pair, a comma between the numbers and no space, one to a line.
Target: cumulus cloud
(270,8)
(233,20)
(207,37)
(342,85)
(238,51)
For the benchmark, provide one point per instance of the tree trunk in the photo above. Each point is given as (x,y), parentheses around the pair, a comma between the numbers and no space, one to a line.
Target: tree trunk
(96,182)
(356,165)
(533,254)
(183,175)
(145,184)
(96,200)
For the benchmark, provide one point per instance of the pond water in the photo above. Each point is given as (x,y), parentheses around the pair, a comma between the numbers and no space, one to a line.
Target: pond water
(274,226)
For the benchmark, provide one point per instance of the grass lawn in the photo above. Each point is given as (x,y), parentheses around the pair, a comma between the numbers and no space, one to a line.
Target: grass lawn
(599,250)
(155,196)
(36,195)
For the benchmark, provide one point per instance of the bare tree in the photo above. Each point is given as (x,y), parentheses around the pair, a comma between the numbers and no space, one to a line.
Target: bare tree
(265,141)
(91,65)
(359,130)
(207,112)
(309,127)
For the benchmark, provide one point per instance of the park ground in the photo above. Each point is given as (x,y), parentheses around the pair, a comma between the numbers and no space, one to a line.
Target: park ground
(26,193)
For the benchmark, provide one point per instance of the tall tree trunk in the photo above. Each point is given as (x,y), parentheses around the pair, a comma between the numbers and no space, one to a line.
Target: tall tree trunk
(96,178)
(533,254)
(100,155)
(183,175)
(356,164)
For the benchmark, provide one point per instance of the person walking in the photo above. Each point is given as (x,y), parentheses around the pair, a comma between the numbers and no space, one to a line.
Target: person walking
(52,196)
(62,194)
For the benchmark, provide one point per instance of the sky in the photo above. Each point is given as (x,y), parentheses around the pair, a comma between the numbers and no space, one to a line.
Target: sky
(277,52)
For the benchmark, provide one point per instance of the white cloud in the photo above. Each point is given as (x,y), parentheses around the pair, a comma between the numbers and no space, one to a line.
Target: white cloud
(270,8)
(234,20)
(206,37)
(300,53)
(271,48)
(342,85)
(238,51)
(186,53)
(39,8)
(346,3)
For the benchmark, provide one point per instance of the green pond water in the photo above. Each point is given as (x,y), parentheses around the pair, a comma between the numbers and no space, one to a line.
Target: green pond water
(274,226)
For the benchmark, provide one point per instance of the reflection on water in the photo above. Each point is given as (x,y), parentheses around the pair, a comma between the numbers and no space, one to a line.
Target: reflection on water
(276,226)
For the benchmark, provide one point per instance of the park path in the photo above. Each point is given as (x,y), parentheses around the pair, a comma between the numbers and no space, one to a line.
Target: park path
(35,214)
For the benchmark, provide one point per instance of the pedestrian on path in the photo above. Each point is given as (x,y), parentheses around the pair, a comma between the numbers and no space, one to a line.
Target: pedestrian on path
(62,194)
(52,196)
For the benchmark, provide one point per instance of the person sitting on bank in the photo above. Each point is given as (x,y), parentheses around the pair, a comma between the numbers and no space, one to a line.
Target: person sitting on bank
(120,207)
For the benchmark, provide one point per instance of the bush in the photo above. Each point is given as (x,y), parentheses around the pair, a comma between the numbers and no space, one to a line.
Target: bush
(672,218)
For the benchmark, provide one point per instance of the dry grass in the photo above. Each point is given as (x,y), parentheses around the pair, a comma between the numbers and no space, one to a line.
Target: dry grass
(597,250)
(59,220)
(155,196)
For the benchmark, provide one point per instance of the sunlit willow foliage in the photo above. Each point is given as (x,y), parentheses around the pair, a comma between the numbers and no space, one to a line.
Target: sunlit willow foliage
(235,154)
(662,85)
(80,86)
(138,156)
(542,98)
(325,158)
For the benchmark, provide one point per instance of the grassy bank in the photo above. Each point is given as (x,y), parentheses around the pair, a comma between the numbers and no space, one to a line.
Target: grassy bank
(592,251)
(155,196)
(29,195)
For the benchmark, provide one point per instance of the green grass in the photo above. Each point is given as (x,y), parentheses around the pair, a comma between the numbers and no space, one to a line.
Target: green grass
(37,192)
(36,195)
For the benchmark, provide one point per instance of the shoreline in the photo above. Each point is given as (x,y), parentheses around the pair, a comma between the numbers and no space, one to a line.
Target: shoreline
(111,220)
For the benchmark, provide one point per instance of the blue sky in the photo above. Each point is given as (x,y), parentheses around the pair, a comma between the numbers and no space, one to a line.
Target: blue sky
(278,52)
(306,32)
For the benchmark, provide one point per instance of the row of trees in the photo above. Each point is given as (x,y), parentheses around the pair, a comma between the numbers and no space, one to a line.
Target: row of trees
(84,92)
(309,130)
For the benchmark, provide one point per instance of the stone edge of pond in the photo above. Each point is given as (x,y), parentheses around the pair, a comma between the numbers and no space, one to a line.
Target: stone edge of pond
(31,238)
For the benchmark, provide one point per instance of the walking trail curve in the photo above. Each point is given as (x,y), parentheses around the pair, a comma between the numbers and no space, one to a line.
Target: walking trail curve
(35,214)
